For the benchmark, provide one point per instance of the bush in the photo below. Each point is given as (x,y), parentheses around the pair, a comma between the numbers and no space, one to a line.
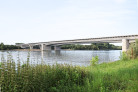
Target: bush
(133,50)
(124,56)
(94,60)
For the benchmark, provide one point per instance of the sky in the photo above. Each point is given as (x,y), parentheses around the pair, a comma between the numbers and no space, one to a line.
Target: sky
(29,21)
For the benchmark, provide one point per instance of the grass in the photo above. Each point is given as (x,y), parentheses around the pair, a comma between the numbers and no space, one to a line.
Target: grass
(119,76)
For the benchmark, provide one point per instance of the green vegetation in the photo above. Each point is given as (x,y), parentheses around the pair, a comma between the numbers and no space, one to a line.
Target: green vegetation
(124,56)
(40,78)
(133,50)
(94,60)
(93,46)
(8,47)
(119,76)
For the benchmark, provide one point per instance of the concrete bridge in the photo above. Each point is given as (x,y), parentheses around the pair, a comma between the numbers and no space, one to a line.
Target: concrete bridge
(45,46)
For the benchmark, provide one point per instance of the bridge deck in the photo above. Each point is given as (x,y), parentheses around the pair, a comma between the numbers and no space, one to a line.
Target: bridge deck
(113,39)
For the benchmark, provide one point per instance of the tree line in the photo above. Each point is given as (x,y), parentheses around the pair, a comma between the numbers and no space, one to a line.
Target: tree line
(93,46)
(8,47)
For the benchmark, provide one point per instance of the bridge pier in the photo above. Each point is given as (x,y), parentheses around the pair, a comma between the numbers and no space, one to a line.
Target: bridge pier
(57,48)
(31,47)
(125,45)
(45,47)
(40,47)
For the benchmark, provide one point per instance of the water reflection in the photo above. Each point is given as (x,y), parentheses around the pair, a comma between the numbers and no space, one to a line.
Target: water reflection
(74,57)
(45,54)
(58,52)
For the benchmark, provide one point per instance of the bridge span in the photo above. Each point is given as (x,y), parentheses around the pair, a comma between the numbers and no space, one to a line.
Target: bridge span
(125,40)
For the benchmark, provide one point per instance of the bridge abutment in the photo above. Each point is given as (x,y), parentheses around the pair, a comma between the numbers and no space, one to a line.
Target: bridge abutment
(125,45)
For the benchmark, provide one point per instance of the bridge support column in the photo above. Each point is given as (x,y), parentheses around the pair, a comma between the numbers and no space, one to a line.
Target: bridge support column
(40,46)
(45,47)
(125,45)
(57,48)
(31,47)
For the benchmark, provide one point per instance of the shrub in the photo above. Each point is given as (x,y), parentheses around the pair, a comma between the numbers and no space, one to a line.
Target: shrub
(133,50)
(94,60)
(124,56)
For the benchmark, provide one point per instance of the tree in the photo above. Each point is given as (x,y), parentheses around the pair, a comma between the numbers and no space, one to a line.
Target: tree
(2,46)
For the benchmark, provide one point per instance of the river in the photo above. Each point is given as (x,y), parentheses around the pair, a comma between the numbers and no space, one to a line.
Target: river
(73,57)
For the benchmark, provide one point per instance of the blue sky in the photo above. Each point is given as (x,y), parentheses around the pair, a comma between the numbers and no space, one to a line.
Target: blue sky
(50,20)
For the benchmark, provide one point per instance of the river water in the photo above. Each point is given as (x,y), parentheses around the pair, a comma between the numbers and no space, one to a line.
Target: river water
(73,57)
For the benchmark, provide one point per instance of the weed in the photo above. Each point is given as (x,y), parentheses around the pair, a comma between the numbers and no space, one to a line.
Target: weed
(124,56)
(94,60)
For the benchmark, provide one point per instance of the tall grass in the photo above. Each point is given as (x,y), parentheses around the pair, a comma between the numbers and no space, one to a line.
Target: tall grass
(133,50)
(107,77)
(40,78)
(117,76)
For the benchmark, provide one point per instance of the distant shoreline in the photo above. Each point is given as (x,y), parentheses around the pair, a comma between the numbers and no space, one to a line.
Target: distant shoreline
(36,49)
(33,50)
(27,49)
(22,50)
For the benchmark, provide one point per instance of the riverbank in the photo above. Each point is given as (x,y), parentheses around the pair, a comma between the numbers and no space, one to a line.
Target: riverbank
(40,50)
(36,49)
(27,49)
(22,50)
(119,76)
